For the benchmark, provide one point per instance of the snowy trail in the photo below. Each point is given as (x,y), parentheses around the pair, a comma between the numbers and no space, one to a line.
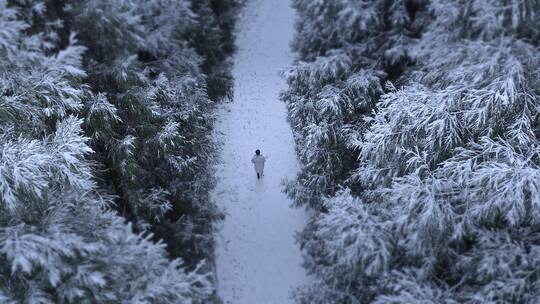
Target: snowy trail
(257,259)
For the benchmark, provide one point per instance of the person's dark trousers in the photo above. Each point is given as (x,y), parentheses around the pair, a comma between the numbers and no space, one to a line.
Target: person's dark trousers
(258,176)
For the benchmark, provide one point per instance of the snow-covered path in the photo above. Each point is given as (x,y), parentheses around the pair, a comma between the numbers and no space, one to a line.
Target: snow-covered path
(257,259)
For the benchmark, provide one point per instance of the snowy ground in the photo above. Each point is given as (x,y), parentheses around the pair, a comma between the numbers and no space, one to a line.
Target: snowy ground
(258,261)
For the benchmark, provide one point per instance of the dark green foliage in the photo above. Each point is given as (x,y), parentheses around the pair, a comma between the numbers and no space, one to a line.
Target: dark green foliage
(214,38)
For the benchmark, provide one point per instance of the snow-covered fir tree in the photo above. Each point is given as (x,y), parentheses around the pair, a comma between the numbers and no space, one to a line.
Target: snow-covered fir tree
(441,202)
(150,120)
(113,120)
(347,50)
(153,144)
(58,242)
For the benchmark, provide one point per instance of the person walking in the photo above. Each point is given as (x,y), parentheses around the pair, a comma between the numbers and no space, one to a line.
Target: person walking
(258,161)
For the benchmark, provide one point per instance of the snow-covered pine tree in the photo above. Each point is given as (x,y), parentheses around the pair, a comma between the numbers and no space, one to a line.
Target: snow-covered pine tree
(444,203)
(150,118)
(58,244)
(156,153)
(347,50)
(460,169)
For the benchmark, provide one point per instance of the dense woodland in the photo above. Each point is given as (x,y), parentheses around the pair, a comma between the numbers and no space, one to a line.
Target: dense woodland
(105,119)
(417,127)
(416,124)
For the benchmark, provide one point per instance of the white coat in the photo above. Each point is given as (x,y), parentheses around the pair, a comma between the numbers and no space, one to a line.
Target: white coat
(258,161)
